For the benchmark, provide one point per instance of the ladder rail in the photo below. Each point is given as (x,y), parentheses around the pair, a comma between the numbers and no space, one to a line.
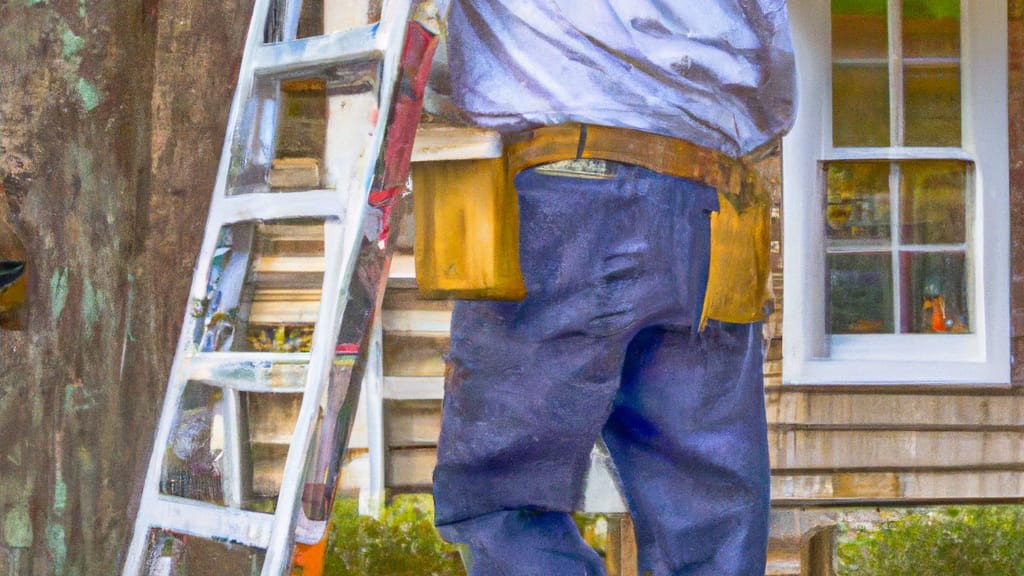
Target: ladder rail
(343,211)
(394,15)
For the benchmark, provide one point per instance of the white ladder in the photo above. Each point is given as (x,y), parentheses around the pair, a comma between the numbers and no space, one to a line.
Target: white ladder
(258,241)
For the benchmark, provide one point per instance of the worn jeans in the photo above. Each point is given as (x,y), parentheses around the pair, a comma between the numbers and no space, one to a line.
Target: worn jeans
(605,343)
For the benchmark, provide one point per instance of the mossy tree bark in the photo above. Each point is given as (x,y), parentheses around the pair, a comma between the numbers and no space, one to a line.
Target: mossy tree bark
(112,115)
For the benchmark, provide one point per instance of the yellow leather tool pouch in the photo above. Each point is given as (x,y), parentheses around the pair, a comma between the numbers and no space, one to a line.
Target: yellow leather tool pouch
(466,230)
(467,216)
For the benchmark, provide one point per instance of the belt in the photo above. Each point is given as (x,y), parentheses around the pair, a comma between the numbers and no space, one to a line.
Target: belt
(662,154)
(738,278)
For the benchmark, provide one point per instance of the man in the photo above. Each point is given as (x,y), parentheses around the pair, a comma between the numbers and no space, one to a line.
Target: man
(617,336)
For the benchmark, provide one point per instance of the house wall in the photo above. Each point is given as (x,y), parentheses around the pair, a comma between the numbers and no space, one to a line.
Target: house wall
(857,444)
(898,444)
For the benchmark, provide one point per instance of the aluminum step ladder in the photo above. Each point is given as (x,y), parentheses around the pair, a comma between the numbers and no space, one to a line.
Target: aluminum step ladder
(285,292)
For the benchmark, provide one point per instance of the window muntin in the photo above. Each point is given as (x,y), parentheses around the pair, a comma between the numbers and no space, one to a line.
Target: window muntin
(910,282)
(896,83)
(896,73)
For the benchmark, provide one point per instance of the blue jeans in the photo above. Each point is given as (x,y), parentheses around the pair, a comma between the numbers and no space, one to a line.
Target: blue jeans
(605,343)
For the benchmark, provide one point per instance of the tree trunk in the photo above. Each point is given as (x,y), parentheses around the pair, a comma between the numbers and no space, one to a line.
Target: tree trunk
(112,116)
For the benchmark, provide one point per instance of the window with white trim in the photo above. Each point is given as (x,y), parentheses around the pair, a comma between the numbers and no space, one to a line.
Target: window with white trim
(896,182)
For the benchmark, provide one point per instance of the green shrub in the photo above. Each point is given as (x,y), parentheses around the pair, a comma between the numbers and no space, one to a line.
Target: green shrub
(403,542)
(961,541)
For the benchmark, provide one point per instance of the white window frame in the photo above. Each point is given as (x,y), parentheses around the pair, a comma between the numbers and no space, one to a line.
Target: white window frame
(812,356)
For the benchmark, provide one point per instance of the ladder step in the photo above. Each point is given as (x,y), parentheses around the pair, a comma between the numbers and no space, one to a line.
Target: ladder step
(280,206)
(421,321)
(211,521)
(252,371)
(436,143)
(284,312)
(348,46)
(403,267)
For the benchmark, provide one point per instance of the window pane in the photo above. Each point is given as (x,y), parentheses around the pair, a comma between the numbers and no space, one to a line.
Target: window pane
(860,293)
(935,295)
(860,74)
(932,202)
(931,28)
(931,49)
(858,202)
(933,106)
(859,29)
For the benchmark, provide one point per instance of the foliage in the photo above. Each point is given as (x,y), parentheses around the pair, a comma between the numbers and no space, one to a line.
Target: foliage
(594,530)
(968,541)
(403,542)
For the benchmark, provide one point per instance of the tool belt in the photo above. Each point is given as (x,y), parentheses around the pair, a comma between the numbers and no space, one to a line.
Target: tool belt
(467,218)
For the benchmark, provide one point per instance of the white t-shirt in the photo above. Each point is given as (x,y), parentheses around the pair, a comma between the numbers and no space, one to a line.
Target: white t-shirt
(718,73)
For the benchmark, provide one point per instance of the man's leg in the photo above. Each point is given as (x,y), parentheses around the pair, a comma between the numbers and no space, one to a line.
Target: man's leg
(531,383)
(519,422)
(689,439)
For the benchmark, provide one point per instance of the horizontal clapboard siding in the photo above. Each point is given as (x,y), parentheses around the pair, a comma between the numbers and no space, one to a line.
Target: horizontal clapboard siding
(415,343)
(826,442)
(893,445)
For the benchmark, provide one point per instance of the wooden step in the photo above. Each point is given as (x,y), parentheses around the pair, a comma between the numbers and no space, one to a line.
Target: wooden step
(414,354)
(412,423)
(783,557)
(414,387)
(410,469)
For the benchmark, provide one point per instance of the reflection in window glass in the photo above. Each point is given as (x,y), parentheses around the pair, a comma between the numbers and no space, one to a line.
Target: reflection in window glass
(932,203)
(860,75)
(931,83)
(931,28)
(860,293)
(933,106)
(928,291)
(858,201)
(935,292)
(860,105)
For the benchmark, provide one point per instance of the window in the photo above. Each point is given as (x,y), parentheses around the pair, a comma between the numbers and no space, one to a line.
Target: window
(896,193)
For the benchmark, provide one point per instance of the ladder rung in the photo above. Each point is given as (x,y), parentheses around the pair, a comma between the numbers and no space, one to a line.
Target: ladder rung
(251,371)
(211,521)
(349,46)
(280,205)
